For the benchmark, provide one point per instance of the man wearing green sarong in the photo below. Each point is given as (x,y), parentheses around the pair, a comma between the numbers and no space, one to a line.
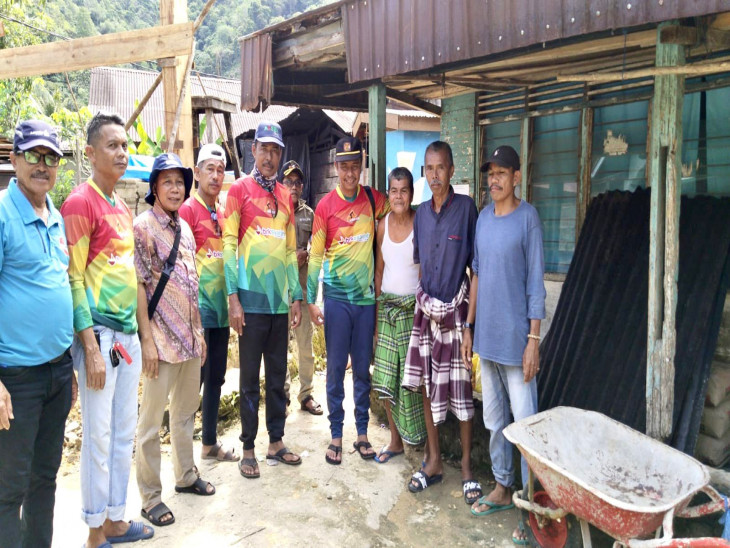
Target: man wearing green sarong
(396,278)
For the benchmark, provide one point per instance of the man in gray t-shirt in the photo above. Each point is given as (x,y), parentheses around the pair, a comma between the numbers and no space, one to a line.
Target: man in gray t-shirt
(506,305)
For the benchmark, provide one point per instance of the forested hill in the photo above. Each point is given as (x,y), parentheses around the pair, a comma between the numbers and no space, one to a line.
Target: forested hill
(217,47)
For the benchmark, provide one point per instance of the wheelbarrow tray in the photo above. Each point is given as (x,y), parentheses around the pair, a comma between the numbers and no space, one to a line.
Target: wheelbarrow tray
(604,472)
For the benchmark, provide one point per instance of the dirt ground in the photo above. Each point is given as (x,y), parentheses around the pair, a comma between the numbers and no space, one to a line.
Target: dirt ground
(359,503)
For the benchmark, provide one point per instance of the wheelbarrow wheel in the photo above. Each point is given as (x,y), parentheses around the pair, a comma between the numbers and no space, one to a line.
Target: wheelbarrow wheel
(548,533)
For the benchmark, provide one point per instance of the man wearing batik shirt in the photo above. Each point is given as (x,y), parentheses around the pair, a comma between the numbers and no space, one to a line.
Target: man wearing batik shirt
(259,251)
(342,242)
(104,293)
(202,213)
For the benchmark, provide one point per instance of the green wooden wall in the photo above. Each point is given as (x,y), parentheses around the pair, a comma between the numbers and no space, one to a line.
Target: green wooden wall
(459,128)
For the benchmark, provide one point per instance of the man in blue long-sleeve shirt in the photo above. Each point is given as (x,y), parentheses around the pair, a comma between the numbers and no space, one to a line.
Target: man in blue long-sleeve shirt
(506,305)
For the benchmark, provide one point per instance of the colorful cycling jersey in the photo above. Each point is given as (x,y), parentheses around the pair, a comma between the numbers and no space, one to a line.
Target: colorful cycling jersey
(342,244)
(101,266)
(206,225)
(259,226)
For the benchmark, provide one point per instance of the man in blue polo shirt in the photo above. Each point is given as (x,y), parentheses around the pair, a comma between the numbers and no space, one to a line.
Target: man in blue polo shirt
(37,384)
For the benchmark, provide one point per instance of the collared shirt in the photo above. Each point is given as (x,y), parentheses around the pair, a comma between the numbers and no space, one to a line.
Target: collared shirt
(443,244)
(342,244)
(176,326)
(101,268)
(36,322)
(212,297)
(259,247)
(303,217)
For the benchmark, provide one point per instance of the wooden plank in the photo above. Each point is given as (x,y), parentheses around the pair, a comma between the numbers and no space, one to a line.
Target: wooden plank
(376,152)
(96,51)
(680,35)
(413,101)
(583,195)
(665,181)
(696,69)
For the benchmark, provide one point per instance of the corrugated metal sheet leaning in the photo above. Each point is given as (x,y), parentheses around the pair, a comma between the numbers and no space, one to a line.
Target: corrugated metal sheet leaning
(594,356)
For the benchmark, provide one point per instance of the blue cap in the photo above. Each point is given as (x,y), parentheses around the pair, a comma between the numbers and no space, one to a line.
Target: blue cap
(168,160)
(34,133)
(269,132)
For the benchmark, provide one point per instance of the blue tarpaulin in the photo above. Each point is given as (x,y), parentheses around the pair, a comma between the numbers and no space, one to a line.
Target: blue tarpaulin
(139,167)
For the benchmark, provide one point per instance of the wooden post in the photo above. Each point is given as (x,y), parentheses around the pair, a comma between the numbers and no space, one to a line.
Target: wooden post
(173,78)
(665,181)
(376,152)
(232,151)
(583,195)
(525,141)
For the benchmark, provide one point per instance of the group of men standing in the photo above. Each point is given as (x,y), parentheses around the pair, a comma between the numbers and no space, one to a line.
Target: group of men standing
(160,295)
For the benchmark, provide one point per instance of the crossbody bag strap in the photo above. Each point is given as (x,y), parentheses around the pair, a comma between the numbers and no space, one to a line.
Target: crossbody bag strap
(167,269)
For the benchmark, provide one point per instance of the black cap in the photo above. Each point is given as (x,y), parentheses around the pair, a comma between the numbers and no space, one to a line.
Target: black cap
(290,167)
(348,148)
(504,156)
(34,133)
(168,160)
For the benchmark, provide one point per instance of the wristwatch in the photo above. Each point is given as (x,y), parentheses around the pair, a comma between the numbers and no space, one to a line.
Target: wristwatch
(469,325)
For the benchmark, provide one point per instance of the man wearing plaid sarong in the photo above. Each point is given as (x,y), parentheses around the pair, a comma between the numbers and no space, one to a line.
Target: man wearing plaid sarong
(443,245)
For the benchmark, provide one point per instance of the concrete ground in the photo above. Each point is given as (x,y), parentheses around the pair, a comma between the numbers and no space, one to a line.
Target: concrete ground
(359,503)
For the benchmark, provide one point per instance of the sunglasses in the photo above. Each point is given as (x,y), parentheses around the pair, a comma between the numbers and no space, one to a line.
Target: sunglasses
(33,158)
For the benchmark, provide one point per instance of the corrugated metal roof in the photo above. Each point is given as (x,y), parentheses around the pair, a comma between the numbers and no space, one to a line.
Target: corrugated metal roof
(390,37)
(257,83)
(594,355)
(117,89)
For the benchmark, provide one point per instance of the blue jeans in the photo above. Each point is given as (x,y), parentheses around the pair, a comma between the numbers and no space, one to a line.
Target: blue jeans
(503,387)
(30,452)
(348,331)
(109,419)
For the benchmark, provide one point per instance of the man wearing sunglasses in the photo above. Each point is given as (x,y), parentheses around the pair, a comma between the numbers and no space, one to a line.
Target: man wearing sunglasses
(202,213)
(259,252)
(37,384)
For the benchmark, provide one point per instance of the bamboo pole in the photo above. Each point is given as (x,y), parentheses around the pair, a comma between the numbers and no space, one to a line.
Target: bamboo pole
(233,158)
(687,70)
(143,102)
(203,13)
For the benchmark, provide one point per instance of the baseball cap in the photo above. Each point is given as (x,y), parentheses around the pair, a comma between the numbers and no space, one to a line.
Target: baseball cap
(33,133)
(290,167)
(269,132)
(165,161)
(504,156)
(348,148)
(211,151)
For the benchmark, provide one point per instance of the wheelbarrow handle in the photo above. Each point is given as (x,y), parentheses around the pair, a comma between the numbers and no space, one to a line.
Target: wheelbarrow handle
(537,509)
(714,505)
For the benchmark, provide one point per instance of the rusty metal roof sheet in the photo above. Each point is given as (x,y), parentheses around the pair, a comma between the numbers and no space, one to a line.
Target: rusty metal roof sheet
(257,84)
(117,89)
(391,37)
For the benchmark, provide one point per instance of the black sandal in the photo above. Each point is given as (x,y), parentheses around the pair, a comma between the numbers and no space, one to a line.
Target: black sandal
(154,515)
(199,487)
(364,445)
(338,451)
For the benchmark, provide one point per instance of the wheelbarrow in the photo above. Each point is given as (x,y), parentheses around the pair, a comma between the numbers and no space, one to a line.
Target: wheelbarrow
(607,475)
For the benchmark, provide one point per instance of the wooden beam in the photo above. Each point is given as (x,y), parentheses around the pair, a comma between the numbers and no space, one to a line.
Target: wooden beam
(174,80)
(203,13)
(696,69)
(415,102)
(143,102)
(525,144)
(376,137)
(327,42)
(583,195)
(665,181)
(679,35)
(95,51)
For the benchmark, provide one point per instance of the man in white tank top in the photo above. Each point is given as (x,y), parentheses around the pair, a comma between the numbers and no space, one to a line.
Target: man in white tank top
(396,279)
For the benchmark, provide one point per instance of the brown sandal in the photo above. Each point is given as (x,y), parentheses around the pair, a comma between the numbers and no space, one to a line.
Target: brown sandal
(314,409)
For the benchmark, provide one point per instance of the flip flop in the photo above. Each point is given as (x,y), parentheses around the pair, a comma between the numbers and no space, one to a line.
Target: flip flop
(198,487)
(279,457)
(156,512)
(492,507)
(388,453)
(423,480)
(214,454)
(520,541)
(250,462)
(338,451)
(135,532)
(363,445)
(468,486)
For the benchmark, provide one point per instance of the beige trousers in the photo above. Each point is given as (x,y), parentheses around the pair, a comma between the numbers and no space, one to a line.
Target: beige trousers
(181,382)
